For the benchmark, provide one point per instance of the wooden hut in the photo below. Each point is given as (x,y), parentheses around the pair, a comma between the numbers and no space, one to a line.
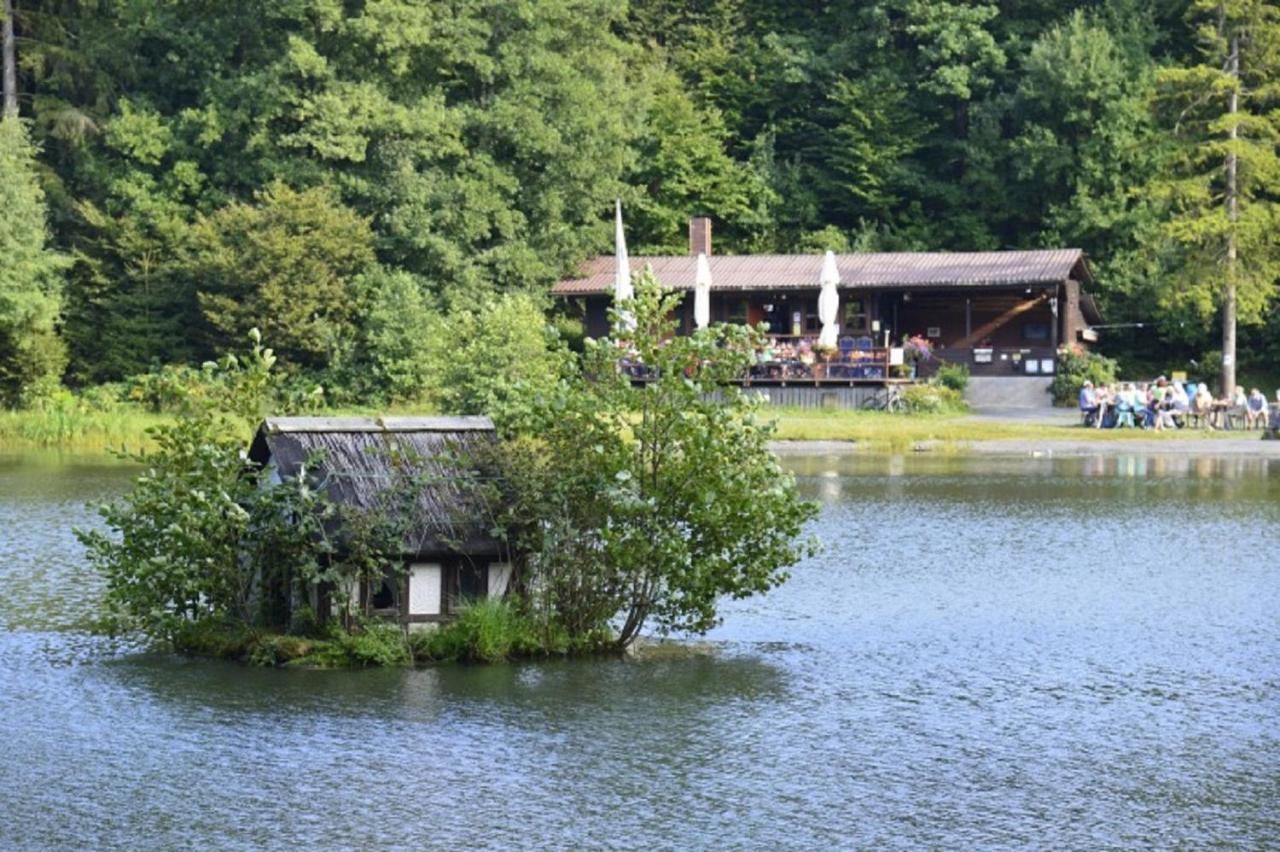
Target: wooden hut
(448,553)
(1003,314)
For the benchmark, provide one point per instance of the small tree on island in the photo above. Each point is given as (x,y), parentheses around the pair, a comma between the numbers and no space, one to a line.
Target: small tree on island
(639,503)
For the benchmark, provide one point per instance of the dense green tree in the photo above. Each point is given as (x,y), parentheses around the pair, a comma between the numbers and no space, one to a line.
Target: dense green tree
(32,356)
(1222,189)
(486,357)
(288,264)
(469,134)
(1085,147)
(682,166)
(647,504)
(391,359)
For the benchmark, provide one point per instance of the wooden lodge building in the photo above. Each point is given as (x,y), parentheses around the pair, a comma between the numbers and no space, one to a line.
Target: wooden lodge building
(1002,313)
(448,553)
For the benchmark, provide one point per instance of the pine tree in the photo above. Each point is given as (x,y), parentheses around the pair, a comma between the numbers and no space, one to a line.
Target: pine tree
(1224,175)
(31,354)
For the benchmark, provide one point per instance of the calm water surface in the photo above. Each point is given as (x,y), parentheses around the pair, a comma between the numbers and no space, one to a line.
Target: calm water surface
(990,652)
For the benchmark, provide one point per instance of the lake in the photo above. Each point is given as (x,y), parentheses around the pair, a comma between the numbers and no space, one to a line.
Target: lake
(989,651)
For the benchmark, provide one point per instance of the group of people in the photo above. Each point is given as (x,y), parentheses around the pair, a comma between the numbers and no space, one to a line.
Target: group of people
(1165,404)
(783,351)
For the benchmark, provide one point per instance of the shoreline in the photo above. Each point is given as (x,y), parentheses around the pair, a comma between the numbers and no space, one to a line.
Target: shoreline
(1251,447)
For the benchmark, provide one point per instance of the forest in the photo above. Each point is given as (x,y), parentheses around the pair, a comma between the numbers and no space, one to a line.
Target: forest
(387,188)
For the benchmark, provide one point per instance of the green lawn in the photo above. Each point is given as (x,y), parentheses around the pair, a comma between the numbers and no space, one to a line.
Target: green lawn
(901,431)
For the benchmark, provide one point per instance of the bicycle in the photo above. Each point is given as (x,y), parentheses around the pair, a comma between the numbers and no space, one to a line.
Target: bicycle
(886,399)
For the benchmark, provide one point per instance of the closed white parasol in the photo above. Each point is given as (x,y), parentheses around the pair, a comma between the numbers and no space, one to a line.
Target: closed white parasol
(702,292)
(622,289)
(829,301)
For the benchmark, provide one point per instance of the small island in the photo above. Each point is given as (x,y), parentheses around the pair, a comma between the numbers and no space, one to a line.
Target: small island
(587,509)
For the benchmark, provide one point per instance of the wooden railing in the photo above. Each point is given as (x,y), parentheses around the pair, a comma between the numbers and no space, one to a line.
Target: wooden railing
(851,367)
(867,365)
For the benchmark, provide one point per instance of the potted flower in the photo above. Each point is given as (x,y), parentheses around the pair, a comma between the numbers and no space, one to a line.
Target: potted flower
(915,349)
(822,354)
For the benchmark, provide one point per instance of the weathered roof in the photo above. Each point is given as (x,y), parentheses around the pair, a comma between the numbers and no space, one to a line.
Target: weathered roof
(357,460)
(797,271)
(378,424)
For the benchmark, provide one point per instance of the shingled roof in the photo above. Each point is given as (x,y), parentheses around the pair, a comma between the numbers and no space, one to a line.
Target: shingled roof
(857,271)
(359,458)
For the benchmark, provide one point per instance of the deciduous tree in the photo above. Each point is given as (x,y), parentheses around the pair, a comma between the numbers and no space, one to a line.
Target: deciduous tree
(288,263)
(646,504)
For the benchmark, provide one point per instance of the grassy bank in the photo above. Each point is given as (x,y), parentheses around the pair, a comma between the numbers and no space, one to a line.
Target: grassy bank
(897,432)
(76,429)
(488,631)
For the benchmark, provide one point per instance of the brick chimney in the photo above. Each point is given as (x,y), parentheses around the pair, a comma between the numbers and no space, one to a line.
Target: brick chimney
(700,235)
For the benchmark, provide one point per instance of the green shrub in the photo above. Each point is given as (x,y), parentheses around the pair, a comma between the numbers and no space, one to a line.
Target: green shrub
(371,643)
(493,355)
(485,631)
(212,637)
(1075,367)
(953,376)
(278,650)
(932,399)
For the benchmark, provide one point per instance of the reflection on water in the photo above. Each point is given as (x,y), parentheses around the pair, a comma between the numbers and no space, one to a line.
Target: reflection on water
(989,651)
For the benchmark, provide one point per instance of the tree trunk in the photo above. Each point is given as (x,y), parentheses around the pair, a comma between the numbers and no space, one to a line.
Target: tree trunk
(10,64)
(1229,286)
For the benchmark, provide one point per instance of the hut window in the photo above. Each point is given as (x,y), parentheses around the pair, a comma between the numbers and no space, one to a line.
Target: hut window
(812,324)
(424,588)
(384,596)
(855,316)
(736,311)
(1035,331)
(473,582)
(499,577)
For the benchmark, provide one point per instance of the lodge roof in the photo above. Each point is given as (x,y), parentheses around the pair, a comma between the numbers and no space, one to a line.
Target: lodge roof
(358,459)
(959,270)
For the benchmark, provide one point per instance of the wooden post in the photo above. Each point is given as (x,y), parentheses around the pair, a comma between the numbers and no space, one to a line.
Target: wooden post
(1233,214)
(1055,303)
(1069,310)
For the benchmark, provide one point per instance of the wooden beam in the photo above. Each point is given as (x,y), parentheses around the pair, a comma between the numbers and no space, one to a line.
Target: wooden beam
(999,322)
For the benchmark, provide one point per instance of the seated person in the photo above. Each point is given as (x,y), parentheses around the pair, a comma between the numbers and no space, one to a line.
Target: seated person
(1145,407)
(1180,404)
(1104,396)
(1235,407)
(1089,404)
(1125,406)
(1202,406)
(1255,410)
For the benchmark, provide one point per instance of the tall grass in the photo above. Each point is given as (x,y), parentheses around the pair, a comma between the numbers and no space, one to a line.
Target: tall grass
(76,428)
(486,631)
